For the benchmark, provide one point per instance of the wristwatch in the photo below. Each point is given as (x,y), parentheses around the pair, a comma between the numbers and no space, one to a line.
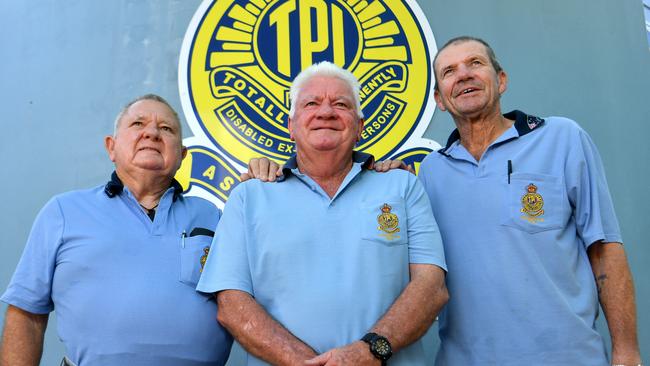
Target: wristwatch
(379,346)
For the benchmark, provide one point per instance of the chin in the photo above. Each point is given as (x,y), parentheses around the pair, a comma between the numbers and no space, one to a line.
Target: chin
(150,165)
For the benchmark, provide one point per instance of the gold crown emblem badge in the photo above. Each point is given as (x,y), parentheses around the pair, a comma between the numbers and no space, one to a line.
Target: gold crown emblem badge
(532,204)
(388,222)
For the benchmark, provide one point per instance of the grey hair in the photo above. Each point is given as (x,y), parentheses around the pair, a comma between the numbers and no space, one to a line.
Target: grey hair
(154,97)
(328,69)
(462,39)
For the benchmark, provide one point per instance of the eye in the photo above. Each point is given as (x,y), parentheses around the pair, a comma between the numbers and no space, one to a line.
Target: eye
(447,72)
(136,123)
(166,128)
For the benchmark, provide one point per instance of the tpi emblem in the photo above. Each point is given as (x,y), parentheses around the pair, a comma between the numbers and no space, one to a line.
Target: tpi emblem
(239,57)
(388,222)
(532,204)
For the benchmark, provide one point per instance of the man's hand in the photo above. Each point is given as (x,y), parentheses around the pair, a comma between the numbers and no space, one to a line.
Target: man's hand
(386,165)
(263,169)
(357,353)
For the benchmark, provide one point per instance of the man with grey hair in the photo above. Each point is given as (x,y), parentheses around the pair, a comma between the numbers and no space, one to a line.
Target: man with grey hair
(335,264)
(529,229)
(119,262)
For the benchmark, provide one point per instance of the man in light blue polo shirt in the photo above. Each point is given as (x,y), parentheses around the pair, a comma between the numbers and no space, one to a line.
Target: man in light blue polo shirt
(527,223)
(335,263)
(119,262)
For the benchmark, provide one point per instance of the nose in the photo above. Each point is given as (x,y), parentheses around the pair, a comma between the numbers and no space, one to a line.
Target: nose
(463,72)
(325,110)
(151,131)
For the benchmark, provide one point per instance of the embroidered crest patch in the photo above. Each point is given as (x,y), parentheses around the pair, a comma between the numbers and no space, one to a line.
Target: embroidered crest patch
(532,204)
(388,222)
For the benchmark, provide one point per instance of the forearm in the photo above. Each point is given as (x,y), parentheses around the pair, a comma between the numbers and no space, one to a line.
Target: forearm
(616,296)
(416,308)
(257,332)
(22,339)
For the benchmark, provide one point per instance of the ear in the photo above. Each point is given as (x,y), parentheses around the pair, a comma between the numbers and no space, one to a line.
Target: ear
(503,82)
(183,152)
(109,144)
(438,98)
(290,127)
(360,129)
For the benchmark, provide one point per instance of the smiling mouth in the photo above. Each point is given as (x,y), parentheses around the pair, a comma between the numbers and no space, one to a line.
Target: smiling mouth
(324,128)
(467,91)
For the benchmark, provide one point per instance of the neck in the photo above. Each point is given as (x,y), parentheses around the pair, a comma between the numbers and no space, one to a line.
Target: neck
(477,133)
(328,169)
(146,189)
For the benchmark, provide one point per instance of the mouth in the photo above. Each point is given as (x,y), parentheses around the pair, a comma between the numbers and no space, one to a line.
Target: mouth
(466,91)
(147,148)
(324,129)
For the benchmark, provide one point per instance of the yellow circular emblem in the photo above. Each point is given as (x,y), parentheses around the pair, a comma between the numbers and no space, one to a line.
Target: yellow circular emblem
(240,56)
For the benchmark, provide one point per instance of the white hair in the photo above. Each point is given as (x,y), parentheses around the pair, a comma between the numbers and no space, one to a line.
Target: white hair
(327,69)
(154,97)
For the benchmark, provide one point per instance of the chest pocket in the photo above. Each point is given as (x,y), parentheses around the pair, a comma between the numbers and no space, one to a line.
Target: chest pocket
(384,222)
(535,203)
(194,253)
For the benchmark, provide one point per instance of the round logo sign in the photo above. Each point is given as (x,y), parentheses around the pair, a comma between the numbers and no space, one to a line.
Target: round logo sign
(238,60)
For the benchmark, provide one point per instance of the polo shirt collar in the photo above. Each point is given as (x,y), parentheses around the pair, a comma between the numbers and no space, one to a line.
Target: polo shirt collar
(115,186)
(366,160)
(524,124)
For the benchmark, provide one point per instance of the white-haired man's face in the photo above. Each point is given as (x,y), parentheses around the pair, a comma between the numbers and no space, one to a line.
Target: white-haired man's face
(325,117)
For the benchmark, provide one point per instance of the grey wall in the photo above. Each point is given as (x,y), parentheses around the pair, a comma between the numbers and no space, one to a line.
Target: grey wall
(67,66)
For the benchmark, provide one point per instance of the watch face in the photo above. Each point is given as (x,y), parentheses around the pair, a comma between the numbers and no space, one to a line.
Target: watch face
(382,347)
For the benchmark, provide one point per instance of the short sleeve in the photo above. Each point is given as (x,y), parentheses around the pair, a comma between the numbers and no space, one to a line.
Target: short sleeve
(425,243)
(31,285)
(227,266)
(589,193)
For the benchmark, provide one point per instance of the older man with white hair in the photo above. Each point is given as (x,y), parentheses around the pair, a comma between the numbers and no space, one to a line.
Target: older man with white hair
(335,264)
(119,262)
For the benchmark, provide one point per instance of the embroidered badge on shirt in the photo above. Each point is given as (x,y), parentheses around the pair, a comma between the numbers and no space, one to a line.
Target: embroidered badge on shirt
(533,122)
(388,223)
(532,204)
(204,257)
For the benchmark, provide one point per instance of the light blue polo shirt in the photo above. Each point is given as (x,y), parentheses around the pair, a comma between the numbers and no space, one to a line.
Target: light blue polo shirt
(516,234)
(122,286)
(326,269)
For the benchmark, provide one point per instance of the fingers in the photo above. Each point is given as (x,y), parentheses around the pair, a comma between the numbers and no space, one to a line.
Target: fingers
(244,176)
(319,360)
(382,166)
(410,169)
(397,164)
(254,168)
(274,171)
(263,173)
(386,165)
(400,164)
(262,169)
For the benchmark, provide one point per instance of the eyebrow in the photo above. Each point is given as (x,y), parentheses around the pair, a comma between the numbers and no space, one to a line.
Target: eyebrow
(471,57)
(336,97)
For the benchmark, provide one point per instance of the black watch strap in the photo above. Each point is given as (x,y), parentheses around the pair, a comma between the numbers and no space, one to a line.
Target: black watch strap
(379,346)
